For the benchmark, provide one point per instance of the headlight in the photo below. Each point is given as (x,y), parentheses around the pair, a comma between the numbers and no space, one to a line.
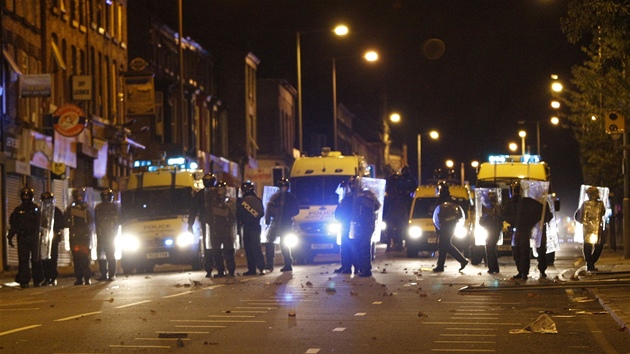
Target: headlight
(481,234)
(334,228)
(129,242)
(185,239)
(290,240)
(415,232)
(591,238)
(383,226)
(460,230)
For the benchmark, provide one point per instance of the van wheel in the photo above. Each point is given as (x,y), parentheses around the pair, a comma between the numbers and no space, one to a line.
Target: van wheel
(412,252)
(127,266)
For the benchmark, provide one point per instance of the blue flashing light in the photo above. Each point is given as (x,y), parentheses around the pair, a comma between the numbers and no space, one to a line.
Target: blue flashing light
(168,242)
(514,158)
(194,166)
(176,161)
(142,163)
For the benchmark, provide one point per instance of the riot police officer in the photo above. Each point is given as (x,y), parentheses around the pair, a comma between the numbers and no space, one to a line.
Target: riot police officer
(24,222)
(446,216)
(107,219)
(50,264)
(591,215)
(281,209)
(222,221)
(249,212)
(357,214)
(199,209)
(492,220)
(80,220)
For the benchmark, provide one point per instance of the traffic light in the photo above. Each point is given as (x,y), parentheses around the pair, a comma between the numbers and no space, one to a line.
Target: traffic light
(614,123)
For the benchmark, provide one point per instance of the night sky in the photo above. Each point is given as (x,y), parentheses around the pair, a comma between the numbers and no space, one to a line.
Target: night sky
(495,70)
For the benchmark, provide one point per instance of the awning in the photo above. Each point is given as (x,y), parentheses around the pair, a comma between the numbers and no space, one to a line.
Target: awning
(12,64)
(57,56)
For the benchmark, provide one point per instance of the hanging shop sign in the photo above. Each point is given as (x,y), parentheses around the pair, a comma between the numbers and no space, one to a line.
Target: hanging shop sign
(81,87)
(139,95)
(38,85)
(69,120)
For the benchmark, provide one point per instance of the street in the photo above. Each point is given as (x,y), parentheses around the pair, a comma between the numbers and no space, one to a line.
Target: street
(404,307)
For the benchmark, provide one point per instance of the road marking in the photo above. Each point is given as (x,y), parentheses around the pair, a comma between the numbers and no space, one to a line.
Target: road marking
(132,304)
(470,329)
(212,287)
(377,302)
(215,321)
(339,329)
(231,316)
(250,311)
(474,318)
(467,335)
(187,332)
(181,326)
(78,316)
(475,323)
(312,351)
(19,329)
(464,350)
(166,339)
(486,303)
(140,346)
(360,314)
(465,341)
(180,294)
(256,308)
(26,309)
(19,303)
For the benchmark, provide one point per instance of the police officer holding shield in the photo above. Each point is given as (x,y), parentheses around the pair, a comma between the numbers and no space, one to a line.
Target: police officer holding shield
(591,215)
(107,218)
(281,209)
(446,216)
(200,204)
(80,220)
(249,212)
(222,222)
(24,223)
(52,217)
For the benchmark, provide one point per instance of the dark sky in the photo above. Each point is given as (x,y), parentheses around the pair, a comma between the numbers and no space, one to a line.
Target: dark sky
(495,71)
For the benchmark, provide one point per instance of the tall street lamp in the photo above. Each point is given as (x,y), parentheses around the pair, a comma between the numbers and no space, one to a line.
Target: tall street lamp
(522,134)
(340,30)
(369,56)
(537,133)
(433,135)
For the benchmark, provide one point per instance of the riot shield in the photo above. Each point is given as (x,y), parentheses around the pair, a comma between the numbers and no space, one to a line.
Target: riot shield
(236,238)
(46,224)
(591,216)
(83,212)
(539,190)
(268,191)
(482,200)
(377,187)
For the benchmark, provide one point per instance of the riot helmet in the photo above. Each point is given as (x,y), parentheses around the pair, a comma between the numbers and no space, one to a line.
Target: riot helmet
(515,190)
(405,170)
(493,197)
(593,193)
(352,184)
(27,194)
(107,195)
(209,180)
(247,187)
(444,191)
(283,182)
(47,196)
(221,189)
(78,194)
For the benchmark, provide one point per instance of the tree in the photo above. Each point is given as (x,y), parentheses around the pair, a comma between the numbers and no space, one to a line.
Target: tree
(600,85)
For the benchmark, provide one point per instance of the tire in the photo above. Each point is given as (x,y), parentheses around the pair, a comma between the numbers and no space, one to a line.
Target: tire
(477,254)
(412,252)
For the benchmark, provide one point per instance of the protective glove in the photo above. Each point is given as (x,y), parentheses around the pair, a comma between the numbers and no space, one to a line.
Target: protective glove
(11,242)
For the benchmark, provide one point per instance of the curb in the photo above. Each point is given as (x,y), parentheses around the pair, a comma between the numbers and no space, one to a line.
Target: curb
(622,319)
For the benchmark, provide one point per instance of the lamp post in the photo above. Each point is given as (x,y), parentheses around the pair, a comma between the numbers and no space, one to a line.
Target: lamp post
(537,133)
(522,134)
(433,135)
(369,56)
(340,30)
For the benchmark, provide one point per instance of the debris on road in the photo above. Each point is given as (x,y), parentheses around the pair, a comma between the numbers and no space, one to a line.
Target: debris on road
(543,324)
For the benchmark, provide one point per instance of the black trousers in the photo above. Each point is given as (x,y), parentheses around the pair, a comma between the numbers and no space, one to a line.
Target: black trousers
(492,260)
(50,265)
(521,251)
(270,254)
(28,255)
(346,252)
(253,252)
(445,246)
(81,260)
(362,253)
(107,265)
(591,254)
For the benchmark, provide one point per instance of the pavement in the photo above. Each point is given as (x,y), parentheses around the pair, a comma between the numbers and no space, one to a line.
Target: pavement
(610,284)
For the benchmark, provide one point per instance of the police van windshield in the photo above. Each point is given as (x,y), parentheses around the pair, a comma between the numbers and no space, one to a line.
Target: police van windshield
(145,204)
(317,190)
(423,207)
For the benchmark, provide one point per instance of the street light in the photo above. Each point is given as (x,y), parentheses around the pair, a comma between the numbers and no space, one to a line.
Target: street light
(433,135)
(537,133)
(513,147)
(369,56)
(340,30)
(522,134)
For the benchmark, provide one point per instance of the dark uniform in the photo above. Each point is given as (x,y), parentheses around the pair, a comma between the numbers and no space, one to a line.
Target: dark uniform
(523,214)
(281,209)
(199,209)
(249,212)
(398,198)
(445,218)
(222,222)
(79,220)
(107,218)
(50,264)
(24,222)
(492,220)
(591,215)
(357,214)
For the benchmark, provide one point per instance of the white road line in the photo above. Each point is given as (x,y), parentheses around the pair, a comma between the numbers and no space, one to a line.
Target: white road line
(78,316)
(465,341)
(339,329)
(19,329)
(471,329)
(250,311)
(312,351)
(475,323)
(215,321)
(481,303)
(474,318)
(181,326)
(22,303)
(231,316)
(132,304)
(26,309)
(140,346)
(180,294)
(213,287)
(188,332)
(466,335)
(257,308)
(465,350)
(165,339)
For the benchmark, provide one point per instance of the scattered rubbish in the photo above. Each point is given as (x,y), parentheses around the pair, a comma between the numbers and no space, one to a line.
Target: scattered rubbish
(422,314)
(180,343)
(308,283)
(110,299)
(331,290)
(292,313)
(228,311)
(582,299)
(543,324)
(352,292)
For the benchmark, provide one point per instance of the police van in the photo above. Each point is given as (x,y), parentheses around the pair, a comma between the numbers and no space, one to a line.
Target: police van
(421,235)
(155,205)
(500,172)
(315,181)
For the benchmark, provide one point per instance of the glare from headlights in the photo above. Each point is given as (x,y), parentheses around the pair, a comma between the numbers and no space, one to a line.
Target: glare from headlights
(591,238)
(460,230)
(383,226)
(481,234)
(168,242)
(415,232)
(185,239)
(334,228)
(129,242)
(290,240)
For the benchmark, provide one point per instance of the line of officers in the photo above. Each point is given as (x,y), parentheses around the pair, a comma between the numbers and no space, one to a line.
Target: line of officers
(356,213)
(39,230)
